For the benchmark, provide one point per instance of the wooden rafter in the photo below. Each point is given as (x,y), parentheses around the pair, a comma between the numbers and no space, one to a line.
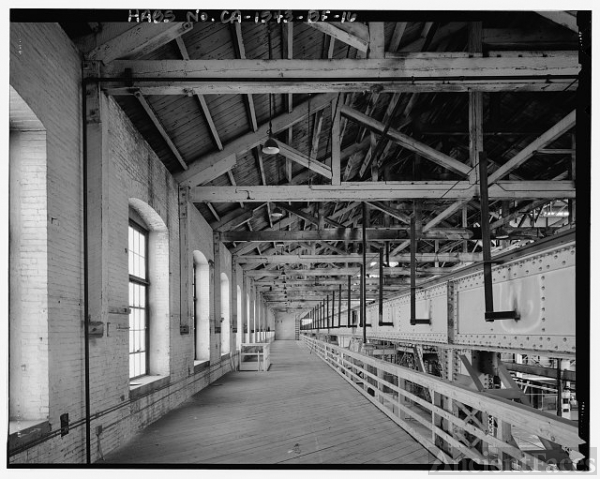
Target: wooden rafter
(306,161)
(407,142)
(143,38)
(356,39)
(287,32)
(217,163)
(239,41)
(157,123)
(201,99)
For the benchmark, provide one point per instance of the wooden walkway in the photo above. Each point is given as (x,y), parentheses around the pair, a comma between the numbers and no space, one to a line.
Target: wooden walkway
(299,412)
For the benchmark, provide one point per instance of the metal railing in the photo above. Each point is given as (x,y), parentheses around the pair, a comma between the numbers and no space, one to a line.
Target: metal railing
(454,422)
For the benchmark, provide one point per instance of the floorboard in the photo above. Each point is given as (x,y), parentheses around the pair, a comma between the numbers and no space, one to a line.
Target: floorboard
(298,412)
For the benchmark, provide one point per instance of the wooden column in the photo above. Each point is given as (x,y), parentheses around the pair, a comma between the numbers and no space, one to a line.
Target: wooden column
(234,306)
(215,322)
(185,264)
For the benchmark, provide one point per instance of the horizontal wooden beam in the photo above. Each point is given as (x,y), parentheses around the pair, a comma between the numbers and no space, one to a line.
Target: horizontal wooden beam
(305,272)
(356,258)
(380,234)
(383,191)
(214,164)
(411,73)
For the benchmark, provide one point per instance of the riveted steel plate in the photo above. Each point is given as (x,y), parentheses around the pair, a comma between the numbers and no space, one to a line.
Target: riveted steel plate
(541,288)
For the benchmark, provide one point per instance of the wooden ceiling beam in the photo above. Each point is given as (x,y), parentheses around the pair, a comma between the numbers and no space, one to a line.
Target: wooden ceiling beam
(241,49)
(383,191)
(232,220)
(388,210)
(376,40)
(214,164)
(306,161)
(397,36)
(356,39)
(201,99)
(287,50)
(439,68)
(534,82)
(543,140)
(355,258)
(307,217)
(407,142)
(157,123)
(139,40)
(305,272)
(373,234)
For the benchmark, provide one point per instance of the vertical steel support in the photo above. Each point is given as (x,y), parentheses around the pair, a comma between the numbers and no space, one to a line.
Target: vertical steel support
(485,235)
(333,310)
(490,315)
(327,311)
(413,270)
(340,306)
(349,301)
(380,286)
(363,274)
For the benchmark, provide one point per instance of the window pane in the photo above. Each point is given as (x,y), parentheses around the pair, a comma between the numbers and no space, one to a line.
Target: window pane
(142,299)
(131,333)
(142,267)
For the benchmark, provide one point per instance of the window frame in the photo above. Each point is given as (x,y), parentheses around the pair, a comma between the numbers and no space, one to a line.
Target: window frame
(136,280)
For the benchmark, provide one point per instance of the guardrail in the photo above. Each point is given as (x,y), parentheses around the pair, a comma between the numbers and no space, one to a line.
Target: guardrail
(454,422)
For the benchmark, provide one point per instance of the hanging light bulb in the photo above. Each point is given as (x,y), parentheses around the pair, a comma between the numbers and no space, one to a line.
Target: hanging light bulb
(270,147)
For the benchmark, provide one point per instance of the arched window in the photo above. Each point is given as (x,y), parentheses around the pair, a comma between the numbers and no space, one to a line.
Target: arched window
(139,286)
(247,327)
(240,334)
(149,331)
(201,309)
(225,317)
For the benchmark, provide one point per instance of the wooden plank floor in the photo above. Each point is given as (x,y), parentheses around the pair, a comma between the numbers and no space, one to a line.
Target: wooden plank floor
(299,412)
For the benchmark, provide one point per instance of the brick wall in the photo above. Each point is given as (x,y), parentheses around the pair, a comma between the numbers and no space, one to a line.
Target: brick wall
(46,72)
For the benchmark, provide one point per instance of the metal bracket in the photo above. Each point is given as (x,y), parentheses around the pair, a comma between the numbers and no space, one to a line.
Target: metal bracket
(491,316)
(414,321)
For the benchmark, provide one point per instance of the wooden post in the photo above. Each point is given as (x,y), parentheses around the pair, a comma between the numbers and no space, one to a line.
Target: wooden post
(349,301)
(340,306)
(363,273)
(215,326)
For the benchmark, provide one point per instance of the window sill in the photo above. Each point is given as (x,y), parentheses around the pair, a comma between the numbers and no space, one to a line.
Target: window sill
(145,385)
(201,365)
(24,432)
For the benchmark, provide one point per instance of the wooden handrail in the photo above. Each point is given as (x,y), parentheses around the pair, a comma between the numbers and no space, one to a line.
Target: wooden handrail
(424,418)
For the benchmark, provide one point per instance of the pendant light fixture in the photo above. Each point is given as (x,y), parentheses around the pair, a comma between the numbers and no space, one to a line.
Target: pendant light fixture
(270,147)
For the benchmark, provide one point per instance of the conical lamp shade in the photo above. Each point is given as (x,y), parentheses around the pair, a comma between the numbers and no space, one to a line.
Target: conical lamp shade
(270,147)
